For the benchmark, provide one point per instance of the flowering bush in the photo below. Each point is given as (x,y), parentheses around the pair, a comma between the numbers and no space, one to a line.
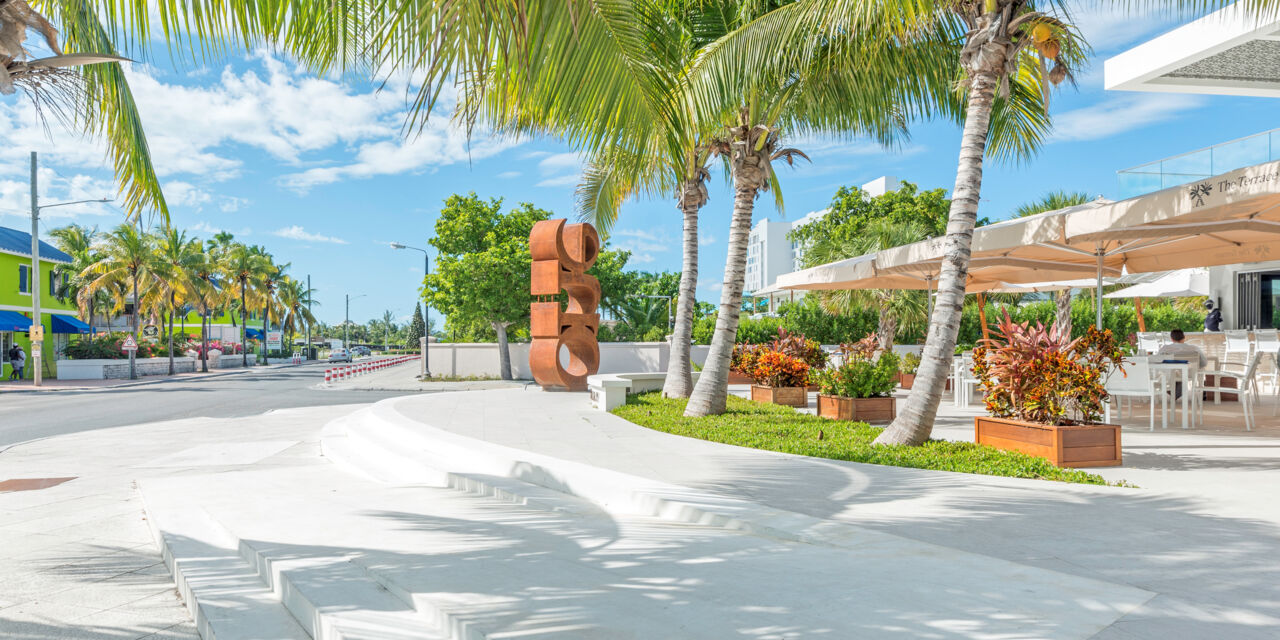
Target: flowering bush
(798,346)
(858,377)
(227,348)
(105,347)
(743,357)
(1040,375)
(777,369)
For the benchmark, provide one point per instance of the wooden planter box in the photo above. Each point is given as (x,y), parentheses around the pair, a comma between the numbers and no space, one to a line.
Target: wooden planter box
(862,409)
(906,380)
(737,377)
(789,396)
(1091,445)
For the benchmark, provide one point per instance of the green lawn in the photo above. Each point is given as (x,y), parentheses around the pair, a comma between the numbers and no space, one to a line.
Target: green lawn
(778,428)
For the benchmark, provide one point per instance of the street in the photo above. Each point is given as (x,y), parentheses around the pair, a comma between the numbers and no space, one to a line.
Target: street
(29,415)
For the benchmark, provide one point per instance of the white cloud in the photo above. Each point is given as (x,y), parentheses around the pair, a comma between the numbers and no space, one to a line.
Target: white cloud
(560,169)
(180,193)
(507,175)
(296,232)
(204,227)
(1115,115)
(641,243)
(706,239)
(1109,26)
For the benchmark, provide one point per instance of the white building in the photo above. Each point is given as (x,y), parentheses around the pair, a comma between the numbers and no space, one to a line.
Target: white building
(770,253)
(1228,52)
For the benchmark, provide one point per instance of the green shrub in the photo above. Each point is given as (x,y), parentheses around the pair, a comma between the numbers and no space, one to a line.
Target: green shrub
(860,377)
(909,363)
(778,428)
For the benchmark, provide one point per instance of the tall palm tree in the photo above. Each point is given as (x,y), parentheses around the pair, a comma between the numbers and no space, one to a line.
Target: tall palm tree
(179,261)
(208,295)
(898,309)
(79,242)
(1052,202)
(1005,55)
(268,293)
(128,259)
(295,305)
(243,269)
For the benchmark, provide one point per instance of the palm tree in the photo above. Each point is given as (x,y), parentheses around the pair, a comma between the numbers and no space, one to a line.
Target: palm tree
(79,242)
(899,309)
(268,290)
(1001,52)
(1052,202)
(208,295)
(128,259)
(295,305)
(243,269)
(179,261)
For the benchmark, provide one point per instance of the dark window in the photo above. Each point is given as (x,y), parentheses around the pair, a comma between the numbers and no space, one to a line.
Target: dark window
(22,278)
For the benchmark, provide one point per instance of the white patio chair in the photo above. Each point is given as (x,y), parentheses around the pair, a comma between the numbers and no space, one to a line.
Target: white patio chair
(1192,386)
(1137,382)
(1151,341)
(1268,341)
(1237,348)
(964,382)
(1246,387)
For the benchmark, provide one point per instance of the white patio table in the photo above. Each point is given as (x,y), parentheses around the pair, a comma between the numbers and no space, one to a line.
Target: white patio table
(1183,371)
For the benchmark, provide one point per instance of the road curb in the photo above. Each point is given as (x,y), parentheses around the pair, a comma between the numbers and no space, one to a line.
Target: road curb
(160,379)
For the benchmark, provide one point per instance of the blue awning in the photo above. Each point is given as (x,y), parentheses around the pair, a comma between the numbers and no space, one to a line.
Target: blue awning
(69,324)
(14,321)
(253,333)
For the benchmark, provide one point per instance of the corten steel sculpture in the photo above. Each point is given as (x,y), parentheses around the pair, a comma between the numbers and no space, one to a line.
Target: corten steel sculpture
(561,254)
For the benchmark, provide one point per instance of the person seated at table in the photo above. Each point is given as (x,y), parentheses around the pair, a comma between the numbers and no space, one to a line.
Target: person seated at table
(1178,350)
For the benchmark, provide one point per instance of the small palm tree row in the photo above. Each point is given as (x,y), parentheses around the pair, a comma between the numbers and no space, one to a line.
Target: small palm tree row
(164,275)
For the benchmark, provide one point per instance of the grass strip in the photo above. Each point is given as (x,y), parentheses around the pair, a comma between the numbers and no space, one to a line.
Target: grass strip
(778,428)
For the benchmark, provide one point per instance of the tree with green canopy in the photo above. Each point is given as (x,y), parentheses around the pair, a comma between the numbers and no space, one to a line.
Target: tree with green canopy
(482,266)
(417,328)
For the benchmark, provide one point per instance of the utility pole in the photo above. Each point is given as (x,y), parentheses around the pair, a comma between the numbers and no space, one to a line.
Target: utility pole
(346,325)
(426,309)
(37,327)
(308,316)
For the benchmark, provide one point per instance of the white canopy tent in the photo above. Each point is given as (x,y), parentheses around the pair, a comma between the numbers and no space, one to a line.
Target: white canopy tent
(1183,283)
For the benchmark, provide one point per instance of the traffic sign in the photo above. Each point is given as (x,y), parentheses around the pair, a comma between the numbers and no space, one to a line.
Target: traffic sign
(150,331)
(129,344)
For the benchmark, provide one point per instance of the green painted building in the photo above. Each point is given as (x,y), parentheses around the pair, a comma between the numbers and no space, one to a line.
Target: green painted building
(59,317)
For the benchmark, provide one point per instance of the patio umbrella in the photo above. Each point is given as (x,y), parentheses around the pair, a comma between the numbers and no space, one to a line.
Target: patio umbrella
(1184,283)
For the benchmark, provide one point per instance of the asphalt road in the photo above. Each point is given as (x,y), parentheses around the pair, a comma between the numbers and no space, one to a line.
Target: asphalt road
(30,415)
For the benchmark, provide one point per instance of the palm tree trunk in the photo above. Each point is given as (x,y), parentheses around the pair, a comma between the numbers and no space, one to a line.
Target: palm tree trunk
(204,341)
(133,373)
(914,423)
(710,393)
(1063,317)
(171,303)
(266,324)
(504,351)
(886,329)
(679,382)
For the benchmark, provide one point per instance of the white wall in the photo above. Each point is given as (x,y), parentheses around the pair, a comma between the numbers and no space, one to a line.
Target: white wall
(481,359)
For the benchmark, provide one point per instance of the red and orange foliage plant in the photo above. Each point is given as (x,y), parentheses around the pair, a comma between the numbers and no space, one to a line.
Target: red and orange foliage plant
(1038,374)
(798,346)
(743,357)
(777,369)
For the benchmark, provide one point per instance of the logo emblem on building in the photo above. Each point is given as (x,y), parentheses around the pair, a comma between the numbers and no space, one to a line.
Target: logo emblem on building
(1198,193)
(561,254)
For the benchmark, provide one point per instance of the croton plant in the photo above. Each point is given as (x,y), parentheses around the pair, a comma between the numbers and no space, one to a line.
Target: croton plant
(1038,374)
(777,369)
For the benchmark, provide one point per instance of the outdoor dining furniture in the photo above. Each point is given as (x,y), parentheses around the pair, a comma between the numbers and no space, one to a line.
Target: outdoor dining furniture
(1138,381)
(1151,341)
(1188,376)
(1268,341)
(1246,387)
(964,382)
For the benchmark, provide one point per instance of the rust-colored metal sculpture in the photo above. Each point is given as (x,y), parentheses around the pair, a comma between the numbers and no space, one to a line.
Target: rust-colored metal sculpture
(562,253)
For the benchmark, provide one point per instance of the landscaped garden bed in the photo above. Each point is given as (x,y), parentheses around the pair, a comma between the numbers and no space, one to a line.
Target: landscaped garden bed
(778,428)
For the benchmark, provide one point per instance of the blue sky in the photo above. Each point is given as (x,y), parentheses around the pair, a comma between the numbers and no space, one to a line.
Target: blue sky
(318,171)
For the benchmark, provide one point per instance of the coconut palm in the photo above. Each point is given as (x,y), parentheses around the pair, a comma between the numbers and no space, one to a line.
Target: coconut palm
(128,259)
(178,264)
(79,242)
(898,309)
(295,306)
(268,295)
(1052,202)
(208,296)
(243,269)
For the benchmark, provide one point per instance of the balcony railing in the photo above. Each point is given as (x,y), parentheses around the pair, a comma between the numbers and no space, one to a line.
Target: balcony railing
(1198,165)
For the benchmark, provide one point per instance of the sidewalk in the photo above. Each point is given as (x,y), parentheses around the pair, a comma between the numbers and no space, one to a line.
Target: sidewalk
(55,384)
(77,559)
(404,377)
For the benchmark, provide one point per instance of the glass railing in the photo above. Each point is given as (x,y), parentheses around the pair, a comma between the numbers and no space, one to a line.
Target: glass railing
(1197,165)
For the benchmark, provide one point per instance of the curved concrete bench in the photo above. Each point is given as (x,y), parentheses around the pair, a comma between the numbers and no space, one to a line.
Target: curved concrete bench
(609,390)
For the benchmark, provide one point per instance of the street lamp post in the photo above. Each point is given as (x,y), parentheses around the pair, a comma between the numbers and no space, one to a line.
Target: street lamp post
(426,308)
(37,325)
(346,325)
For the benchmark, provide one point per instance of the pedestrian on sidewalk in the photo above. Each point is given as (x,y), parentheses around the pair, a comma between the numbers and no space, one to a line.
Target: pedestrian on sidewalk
(17,359)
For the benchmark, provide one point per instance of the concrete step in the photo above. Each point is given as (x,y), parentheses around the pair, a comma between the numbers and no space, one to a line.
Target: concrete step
(223,593)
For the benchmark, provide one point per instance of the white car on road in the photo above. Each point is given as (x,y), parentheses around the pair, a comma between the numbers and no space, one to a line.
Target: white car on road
(339,355)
